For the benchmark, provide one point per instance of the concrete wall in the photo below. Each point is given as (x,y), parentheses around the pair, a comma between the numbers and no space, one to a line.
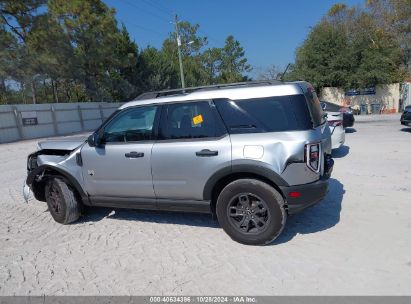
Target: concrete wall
(388,95)
(53,119)
(405,95)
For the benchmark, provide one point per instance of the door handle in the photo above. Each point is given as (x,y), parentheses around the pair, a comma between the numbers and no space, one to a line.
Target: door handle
(134,154)
(206,152)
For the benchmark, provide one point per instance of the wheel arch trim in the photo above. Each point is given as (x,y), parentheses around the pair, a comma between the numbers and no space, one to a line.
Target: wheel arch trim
(60,172)
(252,169)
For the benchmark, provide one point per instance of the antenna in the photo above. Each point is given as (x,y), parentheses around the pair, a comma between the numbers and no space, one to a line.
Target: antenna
(285,71)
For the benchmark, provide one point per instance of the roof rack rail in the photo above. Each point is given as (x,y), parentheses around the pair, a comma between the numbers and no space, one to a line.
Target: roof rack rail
(174,92)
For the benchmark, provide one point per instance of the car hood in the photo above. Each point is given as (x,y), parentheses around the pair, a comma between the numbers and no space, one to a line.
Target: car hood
(67,143)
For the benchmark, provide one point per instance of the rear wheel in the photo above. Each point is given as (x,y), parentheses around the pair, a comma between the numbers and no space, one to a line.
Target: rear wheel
(251,212)
(63,203)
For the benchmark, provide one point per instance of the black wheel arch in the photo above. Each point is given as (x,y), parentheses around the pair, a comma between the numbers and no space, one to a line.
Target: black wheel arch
(38,186)
(224,176)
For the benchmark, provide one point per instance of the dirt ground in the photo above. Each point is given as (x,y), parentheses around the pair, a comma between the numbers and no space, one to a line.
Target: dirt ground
(357,241)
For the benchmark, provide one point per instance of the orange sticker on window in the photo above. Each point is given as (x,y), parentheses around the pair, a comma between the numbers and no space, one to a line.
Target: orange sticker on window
(197,119)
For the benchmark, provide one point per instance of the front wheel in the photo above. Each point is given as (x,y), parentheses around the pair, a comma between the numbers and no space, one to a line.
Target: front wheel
(251,212)
(63,203)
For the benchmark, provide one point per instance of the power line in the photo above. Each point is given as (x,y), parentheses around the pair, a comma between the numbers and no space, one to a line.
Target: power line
(144,28)
(167,11)
(161,6)
(146,11)
(147,29)
(158,7)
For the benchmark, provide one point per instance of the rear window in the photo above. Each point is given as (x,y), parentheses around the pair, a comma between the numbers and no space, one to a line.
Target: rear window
(330,107)
(269,114)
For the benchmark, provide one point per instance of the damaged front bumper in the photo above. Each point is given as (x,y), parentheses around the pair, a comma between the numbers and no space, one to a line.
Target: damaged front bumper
(37,164)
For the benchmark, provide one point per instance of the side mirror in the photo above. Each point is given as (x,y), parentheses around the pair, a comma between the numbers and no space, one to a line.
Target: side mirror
(323,106)
(94,140)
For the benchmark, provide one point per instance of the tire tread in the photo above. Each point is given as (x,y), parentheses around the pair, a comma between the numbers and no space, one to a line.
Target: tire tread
(72,212)
(277,198)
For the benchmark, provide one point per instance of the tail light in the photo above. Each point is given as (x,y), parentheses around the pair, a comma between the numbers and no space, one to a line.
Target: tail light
(313,156)
(334,123)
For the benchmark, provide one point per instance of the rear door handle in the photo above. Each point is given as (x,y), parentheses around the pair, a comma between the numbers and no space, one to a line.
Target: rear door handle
(134,154)
(206,152)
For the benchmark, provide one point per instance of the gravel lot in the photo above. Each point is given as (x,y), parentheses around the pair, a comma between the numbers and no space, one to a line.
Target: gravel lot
(356,242)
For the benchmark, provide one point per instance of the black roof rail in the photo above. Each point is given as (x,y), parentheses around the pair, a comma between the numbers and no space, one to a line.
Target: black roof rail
(174,92)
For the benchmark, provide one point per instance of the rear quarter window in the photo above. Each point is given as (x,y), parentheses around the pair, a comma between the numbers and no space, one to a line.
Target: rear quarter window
(268,114)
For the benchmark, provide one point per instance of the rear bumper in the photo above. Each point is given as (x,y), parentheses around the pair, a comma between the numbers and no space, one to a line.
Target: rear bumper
(309,194)
(337,137)
(406,118)
(348,120)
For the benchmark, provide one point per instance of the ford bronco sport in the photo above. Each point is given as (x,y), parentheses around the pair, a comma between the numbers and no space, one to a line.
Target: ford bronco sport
(249,153)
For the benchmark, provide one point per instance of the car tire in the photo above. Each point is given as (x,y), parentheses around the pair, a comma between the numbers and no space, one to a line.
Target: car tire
(251,212)
(62,201)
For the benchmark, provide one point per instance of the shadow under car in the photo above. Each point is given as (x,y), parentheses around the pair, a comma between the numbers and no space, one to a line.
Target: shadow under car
(340,152)
(320,217)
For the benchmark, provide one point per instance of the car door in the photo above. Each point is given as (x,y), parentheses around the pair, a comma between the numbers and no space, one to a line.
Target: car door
(193,145)
(120,166)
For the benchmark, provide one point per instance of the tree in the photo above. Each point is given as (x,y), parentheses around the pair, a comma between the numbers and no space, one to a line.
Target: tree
(192,46)
(93,32)
(323,59)
(64,51)
(156,71)
(394,17)
(233,62)
(211,59)
(125,81)
(349,49)
(269,73)
(21,19)
(8,48)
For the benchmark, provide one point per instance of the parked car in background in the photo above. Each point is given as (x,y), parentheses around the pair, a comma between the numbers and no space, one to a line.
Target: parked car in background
(335,122)
(406,116)
(348,114)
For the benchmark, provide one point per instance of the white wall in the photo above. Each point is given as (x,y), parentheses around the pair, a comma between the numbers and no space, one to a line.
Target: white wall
(384,94)
(53,119)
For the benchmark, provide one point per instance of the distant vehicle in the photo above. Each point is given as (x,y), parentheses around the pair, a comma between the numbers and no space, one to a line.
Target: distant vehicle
(348,115)
(406,116)
(335,122)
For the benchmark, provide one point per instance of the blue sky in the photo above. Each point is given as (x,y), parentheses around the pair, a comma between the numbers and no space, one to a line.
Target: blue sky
(269,31)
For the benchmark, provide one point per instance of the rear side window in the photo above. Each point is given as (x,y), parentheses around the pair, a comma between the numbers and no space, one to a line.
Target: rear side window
(269,114)
(189,120)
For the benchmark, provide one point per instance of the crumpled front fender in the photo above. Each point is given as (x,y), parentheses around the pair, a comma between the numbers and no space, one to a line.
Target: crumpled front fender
(42,172)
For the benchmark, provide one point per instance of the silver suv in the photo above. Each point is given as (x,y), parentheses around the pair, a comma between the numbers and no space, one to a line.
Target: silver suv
(249,153)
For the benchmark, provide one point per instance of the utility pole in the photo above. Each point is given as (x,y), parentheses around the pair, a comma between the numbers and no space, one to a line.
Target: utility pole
(179,53)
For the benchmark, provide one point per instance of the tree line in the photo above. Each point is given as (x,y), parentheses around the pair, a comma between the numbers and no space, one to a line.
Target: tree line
(357,47)
(61,51)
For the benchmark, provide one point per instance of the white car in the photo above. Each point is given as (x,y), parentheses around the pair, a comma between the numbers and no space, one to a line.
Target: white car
(335,121)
